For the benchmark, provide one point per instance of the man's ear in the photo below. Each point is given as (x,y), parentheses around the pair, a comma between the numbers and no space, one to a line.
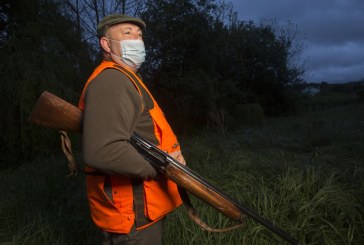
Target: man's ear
(104,43)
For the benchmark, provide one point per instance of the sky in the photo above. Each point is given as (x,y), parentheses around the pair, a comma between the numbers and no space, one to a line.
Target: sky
(332,30)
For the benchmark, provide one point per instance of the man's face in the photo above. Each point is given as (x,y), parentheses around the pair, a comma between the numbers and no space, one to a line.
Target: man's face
(118,32)
(124,31)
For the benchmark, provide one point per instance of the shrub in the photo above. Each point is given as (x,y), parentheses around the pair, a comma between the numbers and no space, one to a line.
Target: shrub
(249,114)
(360,94)
(218,119)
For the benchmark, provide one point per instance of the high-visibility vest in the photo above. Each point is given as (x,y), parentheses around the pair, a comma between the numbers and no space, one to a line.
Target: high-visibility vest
(161,195)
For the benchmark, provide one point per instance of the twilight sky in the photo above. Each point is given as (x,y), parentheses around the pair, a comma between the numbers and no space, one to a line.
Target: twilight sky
(333,30)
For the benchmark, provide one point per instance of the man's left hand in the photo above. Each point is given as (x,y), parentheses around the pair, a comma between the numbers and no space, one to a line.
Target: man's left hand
(178,156)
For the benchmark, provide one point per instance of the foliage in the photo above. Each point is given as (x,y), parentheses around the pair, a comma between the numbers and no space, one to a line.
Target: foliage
(42,51)
(197,61)
(251,114)
(360,94)
(359,89)
(199,57)
(304,173)
(219,120)
(43,206)
(86,14)
(331,99)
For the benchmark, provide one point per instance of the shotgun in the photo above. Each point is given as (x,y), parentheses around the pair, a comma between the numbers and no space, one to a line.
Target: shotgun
(53,112)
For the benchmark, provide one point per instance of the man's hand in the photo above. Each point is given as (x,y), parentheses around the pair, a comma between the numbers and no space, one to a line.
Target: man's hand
(178,156)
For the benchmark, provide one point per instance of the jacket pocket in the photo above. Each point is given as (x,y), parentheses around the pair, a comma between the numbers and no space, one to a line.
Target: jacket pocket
(161,197)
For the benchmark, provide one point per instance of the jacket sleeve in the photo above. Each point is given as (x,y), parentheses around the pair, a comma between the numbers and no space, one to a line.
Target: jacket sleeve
(112,108)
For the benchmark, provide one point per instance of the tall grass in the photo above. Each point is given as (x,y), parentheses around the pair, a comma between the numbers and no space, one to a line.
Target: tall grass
(304,174)
(40,205)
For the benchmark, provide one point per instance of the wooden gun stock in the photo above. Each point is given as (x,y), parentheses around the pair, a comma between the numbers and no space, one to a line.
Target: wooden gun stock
(53,112)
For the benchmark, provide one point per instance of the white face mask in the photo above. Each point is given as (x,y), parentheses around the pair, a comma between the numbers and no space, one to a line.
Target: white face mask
(132,52)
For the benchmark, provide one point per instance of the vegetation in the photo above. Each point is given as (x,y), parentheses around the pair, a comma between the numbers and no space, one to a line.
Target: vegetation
(227,78)
(304,173)
(200,58)
(40,50)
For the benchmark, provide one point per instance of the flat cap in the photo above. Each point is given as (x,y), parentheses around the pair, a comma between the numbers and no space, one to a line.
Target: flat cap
(114,19)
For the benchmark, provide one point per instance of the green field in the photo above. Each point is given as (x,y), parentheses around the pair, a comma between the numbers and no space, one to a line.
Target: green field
(303,173)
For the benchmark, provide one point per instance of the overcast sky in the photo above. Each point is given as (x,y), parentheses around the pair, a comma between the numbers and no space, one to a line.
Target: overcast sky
(333,29)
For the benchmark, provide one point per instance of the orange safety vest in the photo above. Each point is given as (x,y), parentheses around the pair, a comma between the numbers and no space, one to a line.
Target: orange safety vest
(160,196)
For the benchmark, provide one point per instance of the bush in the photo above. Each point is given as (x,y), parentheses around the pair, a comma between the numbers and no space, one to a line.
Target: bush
(360,94)
(249,115)
(218,120)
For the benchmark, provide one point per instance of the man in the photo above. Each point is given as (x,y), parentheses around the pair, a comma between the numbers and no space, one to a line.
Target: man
(128,199)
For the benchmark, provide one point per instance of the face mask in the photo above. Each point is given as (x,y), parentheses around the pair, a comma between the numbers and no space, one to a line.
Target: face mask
(132,52)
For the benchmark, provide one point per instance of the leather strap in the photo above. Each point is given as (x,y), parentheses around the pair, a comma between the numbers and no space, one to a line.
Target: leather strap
(192,213)
(67,150)
(72,165)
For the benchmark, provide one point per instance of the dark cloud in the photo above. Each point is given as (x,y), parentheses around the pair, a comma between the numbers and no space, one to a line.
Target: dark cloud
(333,30)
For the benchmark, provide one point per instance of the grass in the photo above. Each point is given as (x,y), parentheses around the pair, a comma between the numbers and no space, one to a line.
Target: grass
(304,174)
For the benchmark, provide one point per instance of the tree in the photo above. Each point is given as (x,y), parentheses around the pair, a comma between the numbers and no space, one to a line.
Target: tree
(41,50)
(180,65)
(86,14)
(200,57)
